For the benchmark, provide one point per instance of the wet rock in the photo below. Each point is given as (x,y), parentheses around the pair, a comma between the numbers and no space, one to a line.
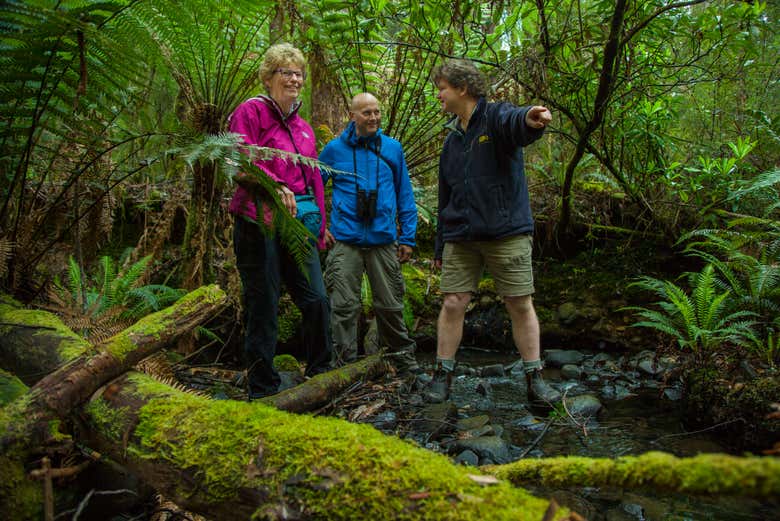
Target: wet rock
(567,313)
(608,392)
(492,370)
(487,447)
(484,388)
(465,370)
(475,422)
(622,392)
(385,421)
(467,457)
(650,367)
(527,421)
(437,419)
(289,379)
(673,393)
(415,400)
(422,381)
(485,430)
(498,430)
(561,357)
(601,358)
(583,405)
(571,372)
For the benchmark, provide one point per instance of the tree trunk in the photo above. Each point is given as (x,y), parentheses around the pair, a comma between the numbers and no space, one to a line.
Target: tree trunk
(234,460)
(606,84)
(319,390)
(35,343)
(35,417)
(711,474)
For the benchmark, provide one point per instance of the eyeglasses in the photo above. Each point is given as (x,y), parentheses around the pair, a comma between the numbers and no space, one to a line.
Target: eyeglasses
(289,73)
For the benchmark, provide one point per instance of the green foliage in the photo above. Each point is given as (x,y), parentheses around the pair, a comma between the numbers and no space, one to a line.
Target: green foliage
(701,321)
(110,300)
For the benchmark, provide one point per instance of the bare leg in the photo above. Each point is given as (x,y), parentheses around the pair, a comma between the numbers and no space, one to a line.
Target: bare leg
(450,324)
(525,326)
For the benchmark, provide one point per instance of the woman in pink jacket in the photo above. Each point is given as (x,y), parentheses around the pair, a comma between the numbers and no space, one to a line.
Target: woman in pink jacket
(263,262)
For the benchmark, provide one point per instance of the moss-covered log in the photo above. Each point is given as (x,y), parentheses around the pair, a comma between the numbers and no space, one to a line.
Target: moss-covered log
(234,460)
(31,418)
(320,389)
(703,474)
(34,343)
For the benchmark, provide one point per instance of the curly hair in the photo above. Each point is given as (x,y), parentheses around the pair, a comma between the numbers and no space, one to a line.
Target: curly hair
(460,74)
(280,55)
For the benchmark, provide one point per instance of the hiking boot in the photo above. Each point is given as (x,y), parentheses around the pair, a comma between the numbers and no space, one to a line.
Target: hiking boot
(540,391)
(439,390)
(406,363)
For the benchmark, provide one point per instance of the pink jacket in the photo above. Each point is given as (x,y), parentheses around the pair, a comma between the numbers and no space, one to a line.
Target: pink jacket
(261,122)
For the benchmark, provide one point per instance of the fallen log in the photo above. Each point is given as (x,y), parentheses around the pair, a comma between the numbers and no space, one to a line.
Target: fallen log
(714,474)
(36,415)
(235,460)
(34,343)
(320,389)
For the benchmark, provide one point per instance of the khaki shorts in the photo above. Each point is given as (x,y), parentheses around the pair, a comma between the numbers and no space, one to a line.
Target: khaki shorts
(508,261)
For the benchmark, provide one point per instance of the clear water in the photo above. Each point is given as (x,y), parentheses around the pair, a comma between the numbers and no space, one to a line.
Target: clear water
(631,426)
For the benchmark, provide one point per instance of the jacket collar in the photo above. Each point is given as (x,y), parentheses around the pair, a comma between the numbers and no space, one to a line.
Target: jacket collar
(268,100)
(352,139)
(476,116)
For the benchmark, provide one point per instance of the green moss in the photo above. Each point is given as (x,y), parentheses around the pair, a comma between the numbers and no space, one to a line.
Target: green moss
(112,421)
(703,474)
(71,345)
(156,324)
(289,319)
(10,388)
(340,470)
(286,363)
(420,290)
(20,497)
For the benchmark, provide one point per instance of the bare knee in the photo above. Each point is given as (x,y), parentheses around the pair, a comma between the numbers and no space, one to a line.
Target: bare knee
(455,303)
(522,305)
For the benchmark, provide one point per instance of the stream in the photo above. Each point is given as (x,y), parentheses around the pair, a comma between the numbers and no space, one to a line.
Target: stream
(618,405)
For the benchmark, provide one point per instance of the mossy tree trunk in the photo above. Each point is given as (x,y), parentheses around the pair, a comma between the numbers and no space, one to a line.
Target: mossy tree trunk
(317,391)
(234,460)
(718,474)
(34,343)
(31,418)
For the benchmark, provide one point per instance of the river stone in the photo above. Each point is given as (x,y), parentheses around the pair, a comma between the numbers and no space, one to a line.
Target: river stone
(650,367)
(467,457)
(527,421)
(583,405)
(571,372)
(384,421)
(487,447)
(485,430)
(437,419)
(492,370)
(567,313)
(475,422)
(601,358)
(561,357)
(622,392)
(484,388)
(672,393)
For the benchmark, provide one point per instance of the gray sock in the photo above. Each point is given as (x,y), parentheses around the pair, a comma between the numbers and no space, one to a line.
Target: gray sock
(447,364)
(532,365)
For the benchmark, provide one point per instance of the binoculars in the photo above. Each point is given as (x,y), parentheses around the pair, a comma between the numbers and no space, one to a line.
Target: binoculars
(366,204)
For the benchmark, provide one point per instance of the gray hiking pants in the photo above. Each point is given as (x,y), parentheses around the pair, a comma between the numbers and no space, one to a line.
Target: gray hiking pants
(344,269)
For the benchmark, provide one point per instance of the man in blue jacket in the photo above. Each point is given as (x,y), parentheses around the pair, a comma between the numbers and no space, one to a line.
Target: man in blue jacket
(373,222)
(484,218)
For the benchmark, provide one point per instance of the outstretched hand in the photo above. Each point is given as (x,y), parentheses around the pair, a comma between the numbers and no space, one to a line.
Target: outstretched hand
(538,117)
(288,199)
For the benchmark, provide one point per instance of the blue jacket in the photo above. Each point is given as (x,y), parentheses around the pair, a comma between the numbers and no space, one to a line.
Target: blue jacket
(483,193)
(379,164)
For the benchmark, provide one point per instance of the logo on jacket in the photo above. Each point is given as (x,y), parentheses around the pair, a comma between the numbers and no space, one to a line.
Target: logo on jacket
(305,135)
(484,138)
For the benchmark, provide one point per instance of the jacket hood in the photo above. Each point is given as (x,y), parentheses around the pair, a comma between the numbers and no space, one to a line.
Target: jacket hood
(352,139)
